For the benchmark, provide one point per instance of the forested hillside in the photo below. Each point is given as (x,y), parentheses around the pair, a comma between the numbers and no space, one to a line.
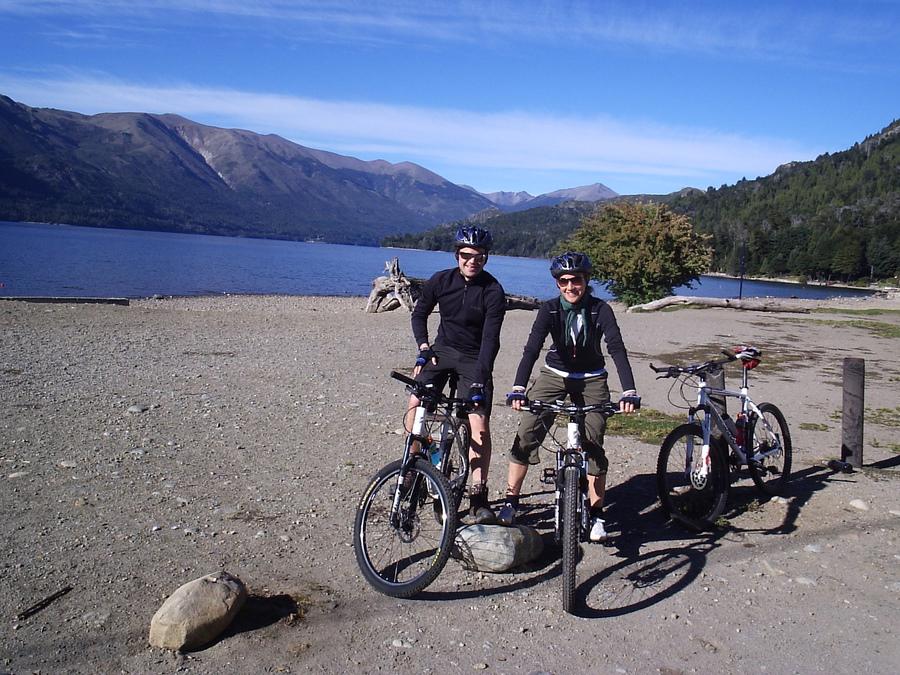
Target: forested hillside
(837,217)
(532,233)
(834,218)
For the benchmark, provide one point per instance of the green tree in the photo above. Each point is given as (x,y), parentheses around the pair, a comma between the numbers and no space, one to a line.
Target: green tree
(641,251)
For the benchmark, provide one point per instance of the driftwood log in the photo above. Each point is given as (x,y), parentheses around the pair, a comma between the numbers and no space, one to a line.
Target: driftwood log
(757,305)
(394,289)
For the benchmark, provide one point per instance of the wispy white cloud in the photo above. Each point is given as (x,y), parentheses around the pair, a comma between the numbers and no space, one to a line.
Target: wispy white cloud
(759,30)
(439,137)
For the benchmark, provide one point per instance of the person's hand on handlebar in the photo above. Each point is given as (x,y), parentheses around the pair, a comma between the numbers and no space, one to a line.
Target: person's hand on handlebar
(516,398)
(426,354)
(476,395)
(629,402)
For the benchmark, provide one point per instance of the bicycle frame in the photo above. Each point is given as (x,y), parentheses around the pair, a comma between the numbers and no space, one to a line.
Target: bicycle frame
(572,454)
(429,402)
(712,416)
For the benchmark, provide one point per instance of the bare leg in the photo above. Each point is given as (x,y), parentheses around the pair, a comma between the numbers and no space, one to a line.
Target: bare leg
(514,478)
(479,449)
(597,491)
(410,418)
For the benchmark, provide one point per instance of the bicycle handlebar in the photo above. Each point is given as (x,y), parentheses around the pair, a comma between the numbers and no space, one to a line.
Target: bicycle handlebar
(693,369)
(423,391)
(607,409)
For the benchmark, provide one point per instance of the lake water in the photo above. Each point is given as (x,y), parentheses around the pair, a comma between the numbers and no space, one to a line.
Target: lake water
(69,261)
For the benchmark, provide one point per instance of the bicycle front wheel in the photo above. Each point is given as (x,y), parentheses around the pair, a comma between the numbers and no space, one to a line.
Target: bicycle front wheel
(403,544)
(770,454)
(570,524)
(686,494)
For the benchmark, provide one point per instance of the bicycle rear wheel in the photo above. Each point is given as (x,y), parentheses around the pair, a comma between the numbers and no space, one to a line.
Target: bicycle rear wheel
(570,524)
(400,551)
(684,494)
(455,453)
(769,457)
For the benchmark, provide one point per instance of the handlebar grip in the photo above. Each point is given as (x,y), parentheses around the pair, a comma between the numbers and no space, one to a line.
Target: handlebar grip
(403,378)
(633,400)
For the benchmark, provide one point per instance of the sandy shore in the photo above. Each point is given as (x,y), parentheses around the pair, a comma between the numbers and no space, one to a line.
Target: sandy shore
(260,419)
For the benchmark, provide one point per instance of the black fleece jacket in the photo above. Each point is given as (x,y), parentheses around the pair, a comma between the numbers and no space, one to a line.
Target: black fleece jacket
(471,315)
(581,359)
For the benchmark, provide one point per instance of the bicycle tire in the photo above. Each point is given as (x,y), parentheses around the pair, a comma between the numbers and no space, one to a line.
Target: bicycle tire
(682,498)
(571,529)
(772,473)
(401,559)
(456,467)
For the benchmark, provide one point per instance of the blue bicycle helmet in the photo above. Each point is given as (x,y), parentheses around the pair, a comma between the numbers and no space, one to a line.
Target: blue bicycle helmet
(474,237)
(571,262)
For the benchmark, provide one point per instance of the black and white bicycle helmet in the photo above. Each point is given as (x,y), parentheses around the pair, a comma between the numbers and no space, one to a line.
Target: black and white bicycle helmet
(571,262)
(473,237)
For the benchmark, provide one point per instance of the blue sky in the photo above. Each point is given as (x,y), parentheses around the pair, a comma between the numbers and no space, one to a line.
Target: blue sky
(645,97)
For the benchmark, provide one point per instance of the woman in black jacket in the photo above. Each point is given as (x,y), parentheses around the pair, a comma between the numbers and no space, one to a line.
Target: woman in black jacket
(574,367)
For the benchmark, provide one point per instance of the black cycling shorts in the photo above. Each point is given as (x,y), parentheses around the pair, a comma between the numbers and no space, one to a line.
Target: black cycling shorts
(466,367)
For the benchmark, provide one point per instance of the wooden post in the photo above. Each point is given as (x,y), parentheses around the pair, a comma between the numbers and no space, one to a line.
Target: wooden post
(853,411)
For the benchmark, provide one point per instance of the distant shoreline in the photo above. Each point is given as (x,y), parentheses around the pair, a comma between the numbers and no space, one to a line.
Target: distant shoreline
(818,284)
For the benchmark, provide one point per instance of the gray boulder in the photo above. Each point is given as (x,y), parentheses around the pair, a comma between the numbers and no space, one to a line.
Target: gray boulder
(495,548)
(196,613)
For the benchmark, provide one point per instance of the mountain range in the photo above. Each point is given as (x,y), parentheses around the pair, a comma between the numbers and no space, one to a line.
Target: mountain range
(165,172)
(834,217)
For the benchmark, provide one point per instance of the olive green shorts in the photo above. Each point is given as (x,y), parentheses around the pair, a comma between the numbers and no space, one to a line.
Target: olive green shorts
(533,428)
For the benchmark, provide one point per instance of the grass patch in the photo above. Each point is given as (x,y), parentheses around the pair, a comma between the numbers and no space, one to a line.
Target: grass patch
(647,425)
(886,417)
(856,312)
(893,447)
(814,426)
(879,328)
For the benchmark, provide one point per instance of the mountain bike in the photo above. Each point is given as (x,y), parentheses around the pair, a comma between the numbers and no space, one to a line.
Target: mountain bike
(572,521)
(406,519)
(694,468)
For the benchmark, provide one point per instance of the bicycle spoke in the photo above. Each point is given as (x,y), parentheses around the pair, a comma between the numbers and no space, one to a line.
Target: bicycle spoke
(401,551)
(686,493)
(770,451)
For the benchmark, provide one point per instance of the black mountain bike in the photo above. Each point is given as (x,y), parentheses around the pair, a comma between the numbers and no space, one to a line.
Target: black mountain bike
(406,519)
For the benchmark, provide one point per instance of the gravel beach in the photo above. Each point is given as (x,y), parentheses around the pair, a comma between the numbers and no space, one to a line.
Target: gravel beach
(147,445)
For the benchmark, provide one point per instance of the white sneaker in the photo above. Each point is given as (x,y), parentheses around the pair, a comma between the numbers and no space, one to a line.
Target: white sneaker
(598,532)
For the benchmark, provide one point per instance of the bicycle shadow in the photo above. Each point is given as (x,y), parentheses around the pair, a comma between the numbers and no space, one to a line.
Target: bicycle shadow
(801,488)
(640,579)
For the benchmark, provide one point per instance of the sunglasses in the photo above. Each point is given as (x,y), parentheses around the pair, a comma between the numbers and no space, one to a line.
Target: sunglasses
(562,282)
(477,257)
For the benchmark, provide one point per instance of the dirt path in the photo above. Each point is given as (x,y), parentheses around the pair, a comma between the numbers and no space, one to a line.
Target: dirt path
(259,420)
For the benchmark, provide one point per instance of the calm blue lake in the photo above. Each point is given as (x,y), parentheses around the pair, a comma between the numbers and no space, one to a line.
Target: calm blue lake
(68,261)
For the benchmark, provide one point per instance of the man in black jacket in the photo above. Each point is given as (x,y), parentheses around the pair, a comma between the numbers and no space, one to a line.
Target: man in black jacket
(472,305)
(574,367)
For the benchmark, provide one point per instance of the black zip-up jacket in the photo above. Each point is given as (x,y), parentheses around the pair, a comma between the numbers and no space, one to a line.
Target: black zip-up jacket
(587,358)
(471,315)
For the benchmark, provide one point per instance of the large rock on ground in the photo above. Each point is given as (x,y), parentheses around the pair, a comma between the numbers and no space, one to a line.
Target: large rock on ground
(495,548)
(196,613)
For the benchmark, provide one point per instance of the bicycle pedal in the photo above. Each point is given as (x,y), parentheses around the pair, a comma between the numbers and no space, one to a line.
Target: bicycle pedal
(548,476)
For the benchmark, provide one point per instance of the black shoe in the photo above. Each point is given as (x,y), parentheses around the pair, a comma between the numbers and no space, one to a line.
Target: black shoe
(483,515)
(507,515)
